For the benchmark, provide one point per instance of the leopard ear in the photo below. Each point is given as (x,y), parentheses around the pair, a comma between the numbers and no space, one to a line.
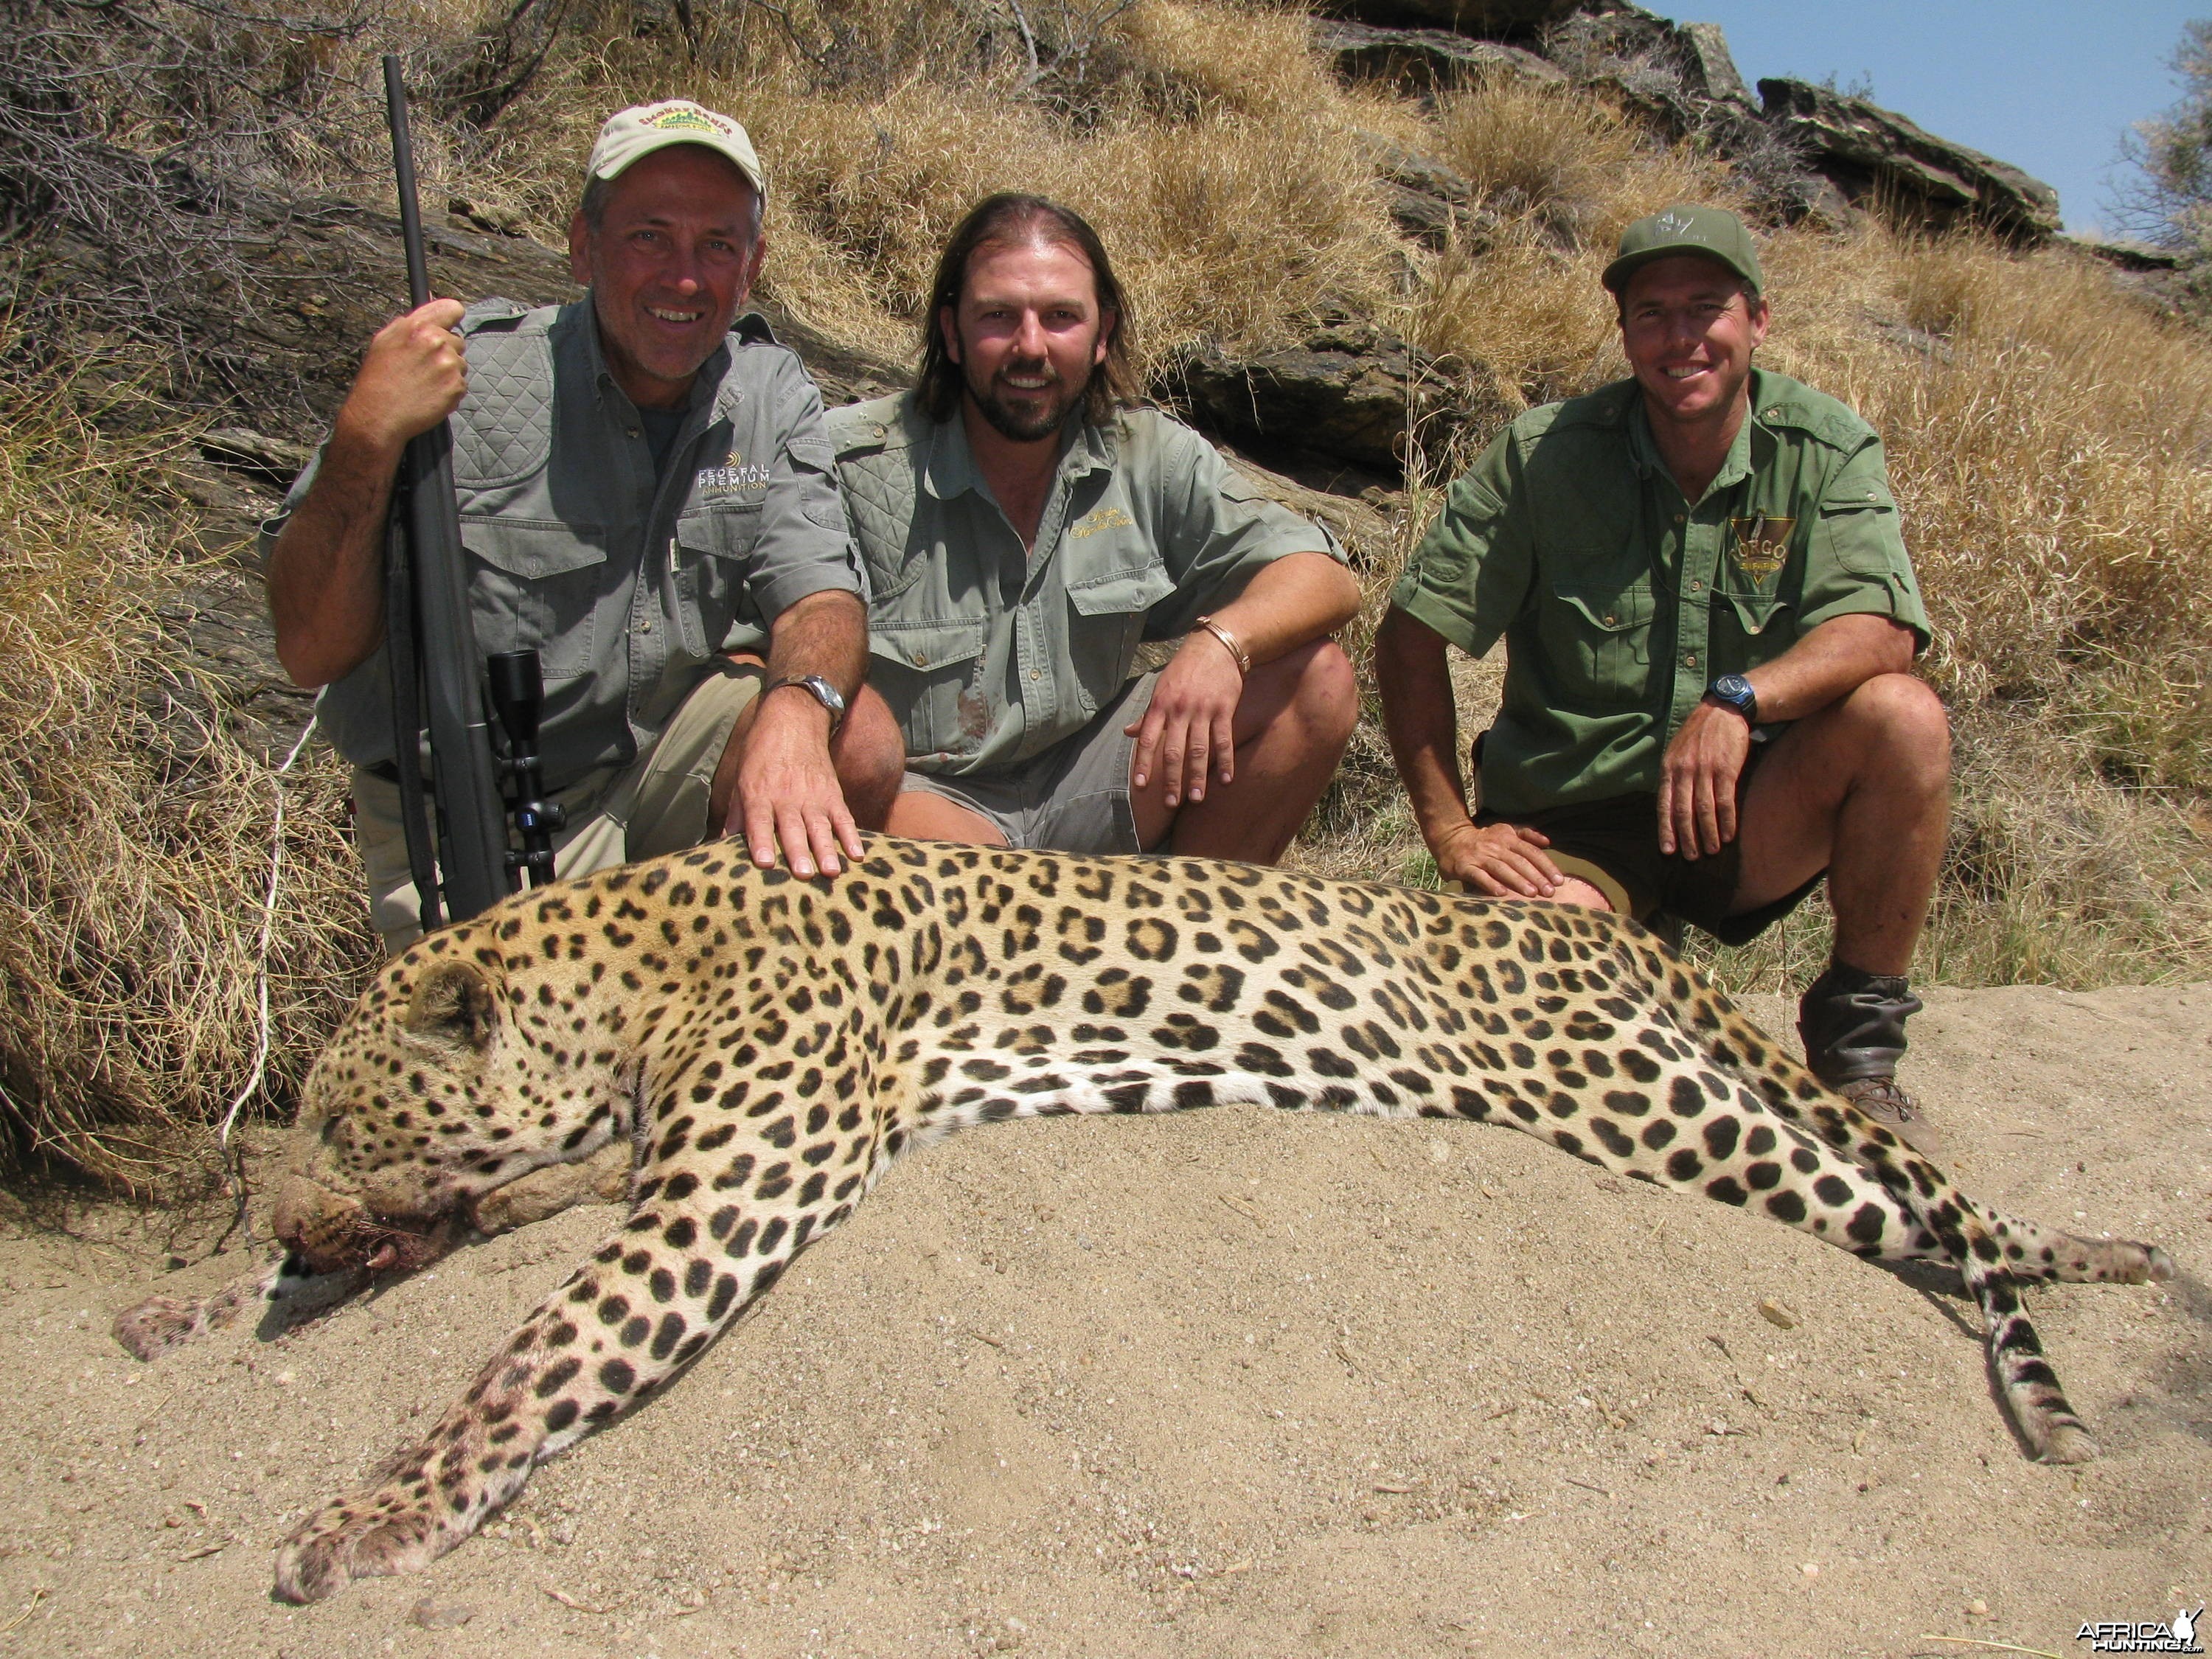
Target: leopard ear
(453,1005)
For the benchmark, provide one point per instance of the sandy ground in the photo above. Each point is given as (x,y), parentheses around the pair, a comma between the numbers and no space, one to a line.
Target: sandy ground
(1229,1383)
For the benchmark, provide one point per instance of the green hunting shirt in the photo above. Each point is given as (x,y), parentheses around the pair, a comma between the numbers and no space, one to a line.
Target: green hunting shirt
(1619,601)
(627,578)
(990,654)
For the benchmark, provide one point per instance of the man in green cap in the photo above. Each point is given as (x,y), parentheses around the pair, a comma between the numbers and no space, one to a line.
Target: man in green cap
(1709,624)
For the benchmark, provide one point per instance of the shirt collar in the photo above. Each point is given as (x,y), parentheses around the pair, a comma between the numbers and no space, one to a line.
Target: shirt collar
(1643,448)
(704,384)
(1084,448)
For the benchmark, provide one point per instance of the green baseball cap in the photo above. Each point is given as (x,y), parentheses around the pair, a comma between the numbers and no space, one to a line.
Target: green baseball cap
(1710,232)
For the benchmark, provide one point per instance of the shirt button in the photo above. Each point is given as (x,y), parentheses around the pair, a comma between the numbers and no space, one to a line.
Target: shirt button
(1696,586)
(1611,620)
(920,659)
(1035,674)
(1678,518)
(633,431)
(1691,660)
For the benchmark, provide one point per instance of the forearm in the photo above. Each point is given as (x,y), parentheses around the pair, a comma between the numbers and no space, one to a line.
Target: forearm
(326,572)
(1297,598)
(1829,663)
(1420,718)
(824,634)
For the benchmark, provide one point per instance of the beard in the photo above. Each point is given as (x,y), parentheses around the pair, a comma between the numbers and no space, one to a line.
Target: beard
(1026,416)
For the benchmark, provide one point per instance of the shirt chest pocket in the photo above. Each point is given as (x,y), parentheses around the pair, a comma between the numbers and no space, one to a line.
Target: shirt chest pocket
(535,586)
(928,669)
(1106,622)
(714,549)
(1597,638)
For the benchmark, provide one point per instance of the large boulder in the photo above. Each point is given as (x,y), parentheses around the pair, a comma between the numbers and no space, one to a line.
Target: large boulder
(1869,152)
(1423,61)
(1494,20)
(1347,396)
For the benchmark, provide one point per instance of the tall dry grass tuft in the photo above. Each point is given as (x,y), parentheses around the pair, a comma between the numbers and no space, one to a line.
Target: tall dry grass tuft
(135,836)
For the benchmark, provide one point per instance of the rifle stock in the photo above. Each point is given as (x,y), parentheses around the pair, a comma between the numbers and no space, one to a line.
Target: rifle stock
(473,862)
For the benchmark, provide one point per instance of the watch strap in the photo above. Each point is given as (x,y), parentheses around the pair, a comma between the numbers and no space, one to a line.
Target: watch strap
(817,688)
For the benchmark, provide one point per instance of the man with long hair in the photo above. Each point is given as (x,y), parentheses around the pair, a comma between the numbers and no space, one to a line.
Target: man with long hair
(1026,528)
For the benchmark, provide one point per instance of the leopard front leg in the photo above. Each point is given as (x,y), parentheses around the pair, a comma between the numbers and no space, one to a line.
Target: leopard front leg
(693,1256)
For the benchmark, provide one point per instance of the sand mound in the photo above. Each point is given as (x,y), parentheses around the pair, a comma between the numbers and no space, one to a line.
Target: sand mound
(1229,1383)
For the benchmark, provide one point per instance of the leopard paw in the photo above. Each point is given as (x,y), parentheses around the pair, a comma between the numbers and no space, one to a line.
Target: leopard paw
(369,1535)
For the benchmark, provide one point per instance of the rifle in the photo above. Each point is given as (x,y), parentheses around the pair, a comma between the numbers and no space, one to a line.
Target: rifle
(426,589)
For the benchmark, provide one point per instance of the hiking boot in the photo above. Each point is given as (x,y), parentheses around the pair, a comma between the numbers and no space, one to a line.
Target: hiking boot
(1880,1099)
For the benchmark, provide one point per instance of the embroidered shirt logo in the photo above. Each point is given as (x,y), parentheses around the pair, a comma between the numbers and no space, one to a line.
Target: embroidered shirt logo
(1106,517)
(729,480)
(1761,543)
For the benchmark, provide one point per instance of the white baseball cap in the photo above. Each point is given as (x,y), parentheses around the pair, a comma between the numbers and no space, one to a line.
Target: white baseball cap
(631,134)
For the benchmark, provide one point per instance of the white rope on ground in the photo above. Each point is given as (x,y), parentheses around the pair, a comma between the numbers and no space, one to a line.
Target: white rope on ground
(261,956)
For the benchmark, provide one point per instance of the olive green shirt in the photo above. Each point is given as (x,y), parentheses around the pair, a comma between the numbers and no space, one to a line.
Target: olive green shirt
(1619,601)
(990,654)
(628,578)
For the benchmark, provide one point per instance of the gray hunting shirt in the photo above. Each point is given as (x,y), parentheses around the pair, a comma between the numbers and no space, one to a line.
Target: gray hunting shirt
(989,655)
(626,584)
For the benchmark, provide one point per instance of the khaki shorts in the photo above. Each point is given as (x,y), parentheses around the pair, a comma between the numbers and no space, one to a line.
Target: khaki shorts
(1074,798)
(656,804)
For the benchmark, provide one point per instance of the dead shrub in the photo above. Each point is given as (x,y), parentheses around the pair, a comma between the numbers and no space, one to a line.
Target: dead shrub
(134,835)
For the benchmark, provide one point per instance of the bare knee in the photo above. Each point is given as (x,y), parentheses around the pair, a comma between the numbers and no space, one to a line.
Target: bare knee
(1324,694)
(1901,724)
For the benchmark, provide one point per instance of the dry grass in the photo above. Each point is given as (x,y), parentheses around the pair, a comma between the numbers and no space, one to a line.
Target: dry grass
(134,836)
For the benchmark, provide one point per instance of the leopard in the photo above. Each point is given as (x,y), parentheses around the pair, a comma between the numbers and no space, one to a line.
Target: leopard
(758,1047)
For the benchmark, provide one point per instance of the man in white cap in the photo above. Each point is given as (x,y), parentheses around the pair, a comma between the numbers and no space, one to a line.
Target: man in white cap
(648,499)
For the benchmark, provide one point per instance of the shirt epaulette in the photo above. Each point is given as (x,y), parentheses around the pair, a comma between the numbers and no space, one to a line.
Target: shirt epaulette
(1780,401)
(869,429)
(493,316)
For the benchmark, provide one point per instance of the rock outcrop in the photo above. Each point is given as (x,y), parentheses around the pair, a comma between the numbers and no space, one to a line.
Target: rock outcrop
(1489,20)
(1805,151)
(1350,396)
(1866,151)
(1421,61)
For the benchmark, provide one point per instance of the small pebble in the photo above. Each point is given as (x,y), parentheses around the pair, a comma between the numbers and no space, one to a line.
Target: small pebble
(431,1614)
(1438,1152)
(1978,1607)
(1812,1569)
(1777,1314)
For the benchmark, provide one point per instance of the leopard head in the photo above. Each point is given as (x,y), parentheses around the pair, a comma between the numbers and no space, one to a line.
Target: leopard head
(449,1079)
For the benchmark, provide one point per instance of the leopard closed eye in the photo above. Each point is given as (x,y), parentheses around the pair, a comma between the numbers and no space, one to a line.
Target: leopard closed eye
(768,1045)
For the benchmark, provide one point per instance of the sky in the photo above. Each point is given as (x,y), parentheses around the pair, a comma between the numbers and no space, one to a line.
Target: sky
(2050,86)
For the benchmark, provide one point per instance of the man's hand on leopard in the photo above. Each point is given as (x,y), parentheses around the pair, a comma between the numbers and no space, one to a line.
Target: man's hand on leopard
(788,801)
(1498,860)
(1696,781)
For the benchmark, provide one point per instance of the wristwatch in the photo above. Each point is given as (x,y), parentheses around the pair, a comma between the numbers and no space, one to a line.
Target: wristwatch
(1734,692)
(820,690)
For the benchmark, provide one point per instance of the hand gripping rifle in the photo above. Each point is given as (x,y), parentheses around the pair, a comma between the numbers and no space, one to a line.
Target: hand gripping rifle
(427,605)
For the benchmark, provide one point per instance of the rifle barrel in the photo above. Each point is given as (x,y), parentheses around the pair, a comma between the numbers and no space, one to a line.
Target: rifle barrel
(472,814)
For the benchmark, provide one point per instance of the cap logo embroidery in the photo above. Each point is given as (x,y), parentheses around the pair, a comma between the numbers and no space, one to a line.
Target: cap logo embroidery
(1673,224)
(688,120)
(1762,544)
